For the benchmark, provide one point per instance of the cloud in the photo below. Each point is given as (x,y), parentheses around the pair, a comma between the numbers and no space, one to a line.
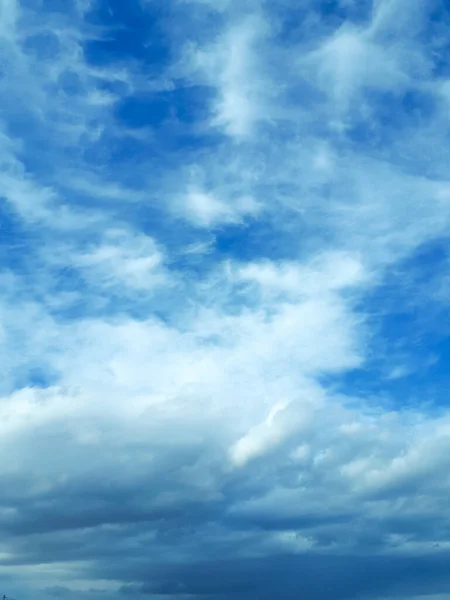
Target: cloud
(224,271)
(327,273)
(232,66)
(205,210)
(124,260)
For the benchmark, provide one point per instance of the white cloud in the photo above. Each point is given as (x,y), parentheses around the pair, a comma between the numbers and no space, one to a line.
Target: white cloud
(239,104)
(208,210)
(389,17)
(380,57)
(125,260)
(8,17)
(283,420)
(349,63)
(326,273)
(232,65)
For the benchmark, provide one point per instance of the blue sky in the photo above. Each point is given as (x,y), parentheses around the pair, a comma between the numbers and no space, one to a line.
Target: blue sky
(225,274)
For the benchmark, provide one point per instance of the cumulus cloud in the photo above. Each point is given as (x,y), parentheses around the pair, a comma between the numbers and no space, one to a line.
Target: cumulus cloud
(223,300)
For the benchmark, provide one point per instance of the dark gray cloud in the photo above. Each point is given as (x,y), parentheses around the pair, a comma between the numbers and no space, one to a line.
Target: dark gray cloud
(308,576)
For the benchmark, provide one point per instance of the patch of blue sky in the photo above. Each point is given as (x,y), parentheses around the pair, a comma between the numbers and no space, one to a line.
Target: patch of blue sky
(256,240)
(185,104)
(52,7)
(407,366)
(16,241)
(35,377)
(308,24)
(389,115)
(130,32)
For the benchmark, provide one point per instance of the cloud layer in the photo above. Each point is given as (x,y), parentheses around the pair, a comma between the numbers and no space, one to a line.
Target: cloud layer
(224,299)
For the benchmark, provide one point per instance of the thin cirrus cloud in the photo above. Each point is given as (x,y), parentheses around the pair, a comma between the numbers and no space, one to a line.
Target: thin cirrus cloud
(223,305)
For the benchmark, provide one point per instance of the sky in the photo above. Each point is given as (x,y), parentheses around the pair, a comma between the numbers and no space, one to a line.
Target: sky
(224,299)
